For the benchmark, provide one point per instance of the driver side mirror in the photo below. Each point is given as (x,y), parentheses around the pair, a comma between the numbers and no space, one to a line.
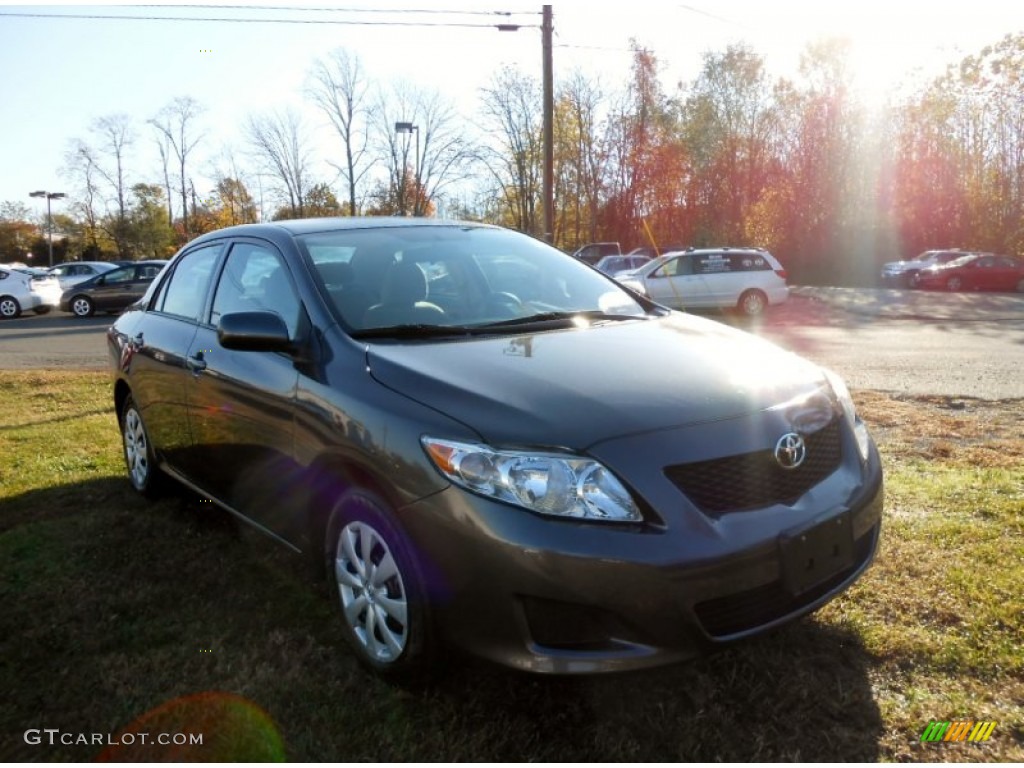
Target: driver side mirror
(254,332)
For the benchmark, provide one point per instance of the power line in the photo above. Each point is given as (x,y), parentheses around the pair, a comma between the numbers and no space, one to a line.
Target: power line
(331,9)
(106,17)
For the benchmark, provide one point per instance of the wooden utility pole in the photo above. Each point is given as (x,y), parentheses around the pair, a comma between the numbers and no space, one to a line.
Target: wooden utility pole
(549,130)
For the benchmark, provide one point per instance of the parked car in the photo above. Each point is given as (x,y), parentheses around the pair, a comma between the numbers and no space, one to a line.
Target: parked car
(652,252)
(22,288)
(904,273)
(111,291)
(484,443)
(610,265)
(749,279)
(592,253)
(976,272)
(75,272)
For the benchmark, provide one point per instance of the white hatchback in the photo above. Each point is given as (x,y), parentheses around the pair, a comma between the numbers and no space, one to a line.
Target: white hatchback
(22,288)
(749,279)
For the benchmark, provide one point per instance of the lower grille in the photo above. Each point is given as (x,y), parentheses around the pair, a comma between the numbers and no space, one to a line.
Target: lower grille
(751,480)
(745,611)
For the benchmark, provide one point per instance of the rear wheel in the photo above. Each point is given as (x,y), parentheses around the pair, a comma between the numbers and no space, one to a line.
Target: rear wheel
(753,303)
(1020,287)
(954,283)
(9,307)
(82,306)
(145,476)
(376,581)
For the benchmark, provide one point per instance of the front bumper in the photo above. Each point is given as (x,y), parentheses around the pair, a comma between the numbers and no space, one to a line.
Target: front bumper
(556,596)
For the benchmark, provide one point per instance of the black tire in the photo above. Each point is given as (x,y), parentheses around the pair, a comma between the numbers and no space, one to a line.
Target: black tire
(385,621)
(139,458)
(954,283)
(9,307)
(43,310)
(913,279)
(82,306)
(752,303)
(1020,287)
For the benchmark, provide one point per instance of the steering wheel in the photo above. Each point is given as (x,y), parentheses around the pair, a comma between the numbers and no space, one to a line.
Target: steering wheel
(503,304)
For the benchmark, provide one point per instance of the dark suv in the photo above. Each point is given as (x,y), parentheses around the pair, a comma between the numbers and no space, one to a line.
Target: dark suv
(483,442)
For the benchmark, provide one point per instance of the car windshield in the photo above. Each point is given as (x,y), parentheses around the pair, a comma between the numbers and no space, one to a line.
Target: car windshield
(434,279)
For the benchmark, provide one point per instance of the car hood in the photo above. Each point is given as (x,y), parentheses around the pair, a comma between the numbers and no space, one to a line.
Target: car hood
(575,387)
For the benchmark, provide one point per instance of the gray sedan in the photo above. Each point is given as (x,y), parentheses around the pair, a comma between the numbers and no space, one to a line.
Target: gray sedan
(483,443)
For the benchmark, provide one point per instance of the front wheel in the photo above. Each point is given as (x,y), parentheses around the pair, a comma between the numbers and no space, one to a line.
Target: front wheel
(1020,287)
(954,284)
(82,306)
(914,280)
(143,472)
(753,303)
(378,588)
(9,307)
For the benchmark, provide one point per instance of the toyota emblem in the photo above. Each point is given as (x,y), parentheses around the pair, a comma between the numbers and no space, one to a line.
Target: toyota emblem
(790,451)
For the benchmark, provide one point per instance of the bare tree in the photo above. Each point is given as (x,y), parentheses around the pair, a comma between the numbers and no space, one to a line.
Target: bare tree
(511,106)
(280,142)
(338,88)
(100,167)
(173,123)
(438,155)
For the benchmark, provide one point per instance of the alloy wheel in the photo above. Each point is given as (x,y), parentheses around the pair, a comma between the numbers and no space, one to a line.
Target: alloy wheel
(9,308)
(81,306)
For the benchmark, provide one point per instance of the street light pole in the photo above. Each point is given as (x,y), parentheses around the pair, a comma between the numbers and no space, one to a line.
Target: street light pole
(405,127)
(49,216)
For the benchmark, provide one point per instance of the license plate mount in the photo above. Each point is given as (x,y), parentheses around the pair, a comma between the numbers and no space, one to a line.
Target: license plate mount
(817,552)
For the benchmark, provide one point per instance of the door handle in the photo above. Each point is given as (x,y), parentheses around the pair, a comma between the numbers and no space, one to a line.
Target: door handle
(196,364)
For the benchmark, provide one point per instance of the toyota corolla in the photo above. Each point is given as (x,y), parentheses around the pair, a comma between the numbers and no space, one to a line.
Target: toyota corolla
(483,443)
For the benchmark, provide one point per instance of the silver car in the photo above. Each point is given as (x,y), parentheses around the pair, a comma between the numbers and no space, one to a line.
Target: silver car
(75,272)
(749,279)
(22,288)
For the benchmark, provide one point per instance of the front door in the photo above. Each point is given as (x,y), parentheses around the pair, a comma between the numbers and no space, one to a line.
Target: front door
(675,285)
(241,403)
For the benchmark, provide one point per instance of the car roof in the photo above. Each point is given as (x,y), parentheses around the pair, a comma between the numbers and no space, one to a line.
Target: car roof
(331,224)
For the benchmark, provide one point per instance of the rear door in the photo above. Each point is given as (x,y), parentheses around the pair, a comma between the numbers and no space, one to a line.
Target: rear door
(158,349)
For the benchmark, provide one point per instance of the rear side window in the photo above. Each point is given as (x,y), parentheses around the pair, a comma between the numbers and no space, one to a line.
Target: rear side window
(185,291)
(714,263)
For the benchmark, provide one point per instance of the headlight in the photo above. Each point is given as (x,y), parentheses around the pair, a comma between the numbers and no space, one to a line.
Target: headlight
(842,394)
(551,484)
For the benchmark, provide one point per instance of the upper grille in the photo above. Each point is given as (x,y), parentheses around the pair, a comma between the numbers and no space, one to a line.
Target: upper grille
(751,480)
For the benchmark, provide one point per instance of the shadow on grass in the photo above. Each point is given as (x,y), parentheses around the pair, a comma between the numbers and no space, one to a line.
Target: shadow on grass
(114,606)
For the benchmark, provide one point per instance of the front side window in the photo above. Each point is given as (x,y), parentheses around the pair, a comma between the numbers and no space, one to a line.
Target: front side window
(122,275)
(255,279)
(185,291)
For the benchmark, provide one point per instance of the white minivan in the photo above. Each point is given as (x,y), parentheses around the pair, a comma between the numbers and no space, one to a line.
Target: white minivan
(749,279)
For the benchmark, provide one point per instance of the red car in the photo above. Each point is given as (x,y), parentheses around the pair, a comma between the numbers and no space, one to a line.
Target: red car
(976,272)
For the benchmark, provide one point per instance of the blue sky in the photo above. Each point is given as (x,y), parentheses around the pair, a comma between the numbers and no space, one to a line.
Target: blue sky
(60,74)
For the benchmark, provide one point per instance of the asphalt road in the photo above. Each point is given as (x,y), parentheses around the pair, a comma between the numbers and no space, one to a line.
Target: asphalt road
(911,342)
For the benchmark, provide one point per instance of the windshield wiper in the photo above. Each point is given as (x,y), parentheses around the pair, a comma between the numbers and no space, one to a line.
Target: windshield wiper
(545,317)
(411,331)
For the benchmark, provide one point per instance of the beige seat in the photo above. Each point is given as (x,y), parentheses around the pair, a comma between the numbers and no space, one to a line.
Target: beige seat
(403,300)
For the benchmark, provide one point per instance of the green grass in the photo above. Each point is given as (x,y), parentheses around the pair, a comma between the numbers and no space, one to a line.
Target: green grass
(113,606)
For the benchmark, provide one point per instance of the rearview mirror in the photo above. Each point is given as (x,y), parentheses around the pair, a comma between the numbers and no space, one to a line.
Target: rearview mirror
(254,332)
